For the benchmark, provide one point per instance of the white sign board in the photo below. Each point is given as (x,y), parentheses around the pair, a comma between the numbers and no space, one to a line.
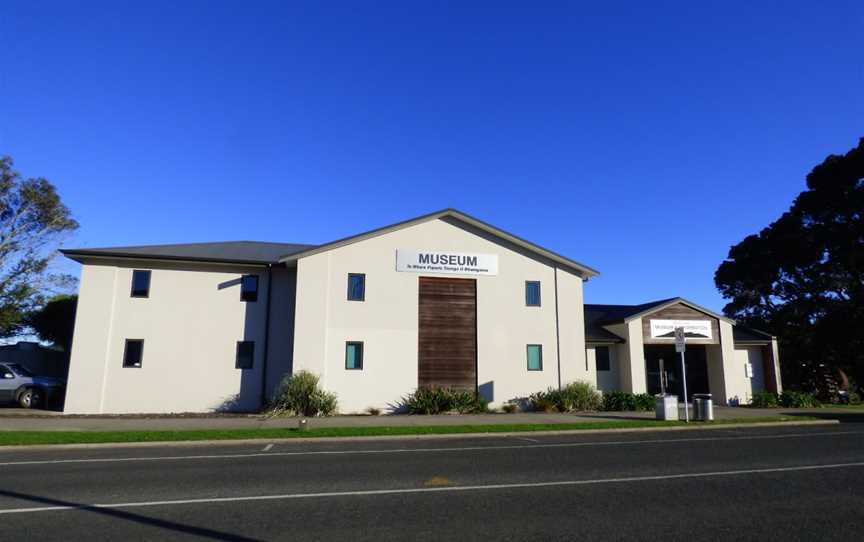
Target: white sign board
(680,340)
(693,329)
(446,262)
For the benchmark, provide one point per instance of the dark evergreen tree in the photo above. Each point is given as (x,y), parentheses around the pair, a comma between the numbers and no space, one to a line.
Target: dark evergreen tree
(802,277)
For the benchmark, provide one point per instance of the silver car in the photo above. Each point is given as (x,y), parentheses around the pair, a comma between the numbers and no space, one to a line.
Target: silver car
(19,385)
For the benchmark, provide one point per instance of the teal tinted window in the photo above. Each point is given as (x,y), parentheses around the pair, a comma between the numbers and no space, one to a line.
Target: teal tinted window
(535,357)
(133,353)
(140,283)
(249,288)
(532,294)
(354,355)
(356,287)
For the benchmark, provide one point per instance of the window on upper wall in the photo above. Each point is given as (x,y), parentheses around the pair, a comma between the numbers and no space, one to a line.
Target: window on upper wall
(354,356)
(601,356)
(245,354)
(140,283)
(535,357)
(133,353)
(532,293)
(249,288)
(356,287)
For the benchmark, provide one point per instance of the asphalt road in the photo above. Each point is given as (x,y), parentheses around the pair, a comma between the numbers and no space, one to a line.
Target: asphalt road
(792,483)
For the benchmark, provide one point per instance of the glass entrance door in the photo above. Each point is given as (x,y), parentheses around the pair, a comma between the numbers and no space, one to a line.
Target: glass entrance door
(670,375)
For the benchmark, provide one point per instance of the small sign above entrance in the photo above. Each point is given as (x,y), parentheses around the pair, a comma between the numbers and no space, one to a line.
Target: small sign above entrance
(445,262)
(680,340)
(693,329)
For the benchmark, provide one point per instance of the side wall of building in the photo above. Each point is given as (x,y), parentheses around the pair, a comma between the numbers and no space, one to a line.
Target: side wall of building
(281,339)
(605,380)
(190,324)
(387,320)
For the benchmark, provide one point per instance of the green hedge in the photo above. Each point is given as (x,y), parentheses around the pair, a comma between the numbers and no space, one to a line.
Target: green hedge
(623,401)
(798,399)
(787,399)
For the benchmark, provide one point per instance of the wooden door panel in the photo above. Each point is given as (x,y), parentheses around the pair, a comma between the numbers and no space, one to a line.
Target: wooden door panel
(447,349)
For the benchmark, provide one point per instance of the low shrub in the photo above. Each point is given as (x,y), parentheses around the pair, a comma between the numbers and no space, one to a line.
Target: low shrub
(572,397)
(510,408)
(765,399)
(372,411)
(854,398)
(798,399)
(622,401)
(645,401)
(437,400)
(300,395)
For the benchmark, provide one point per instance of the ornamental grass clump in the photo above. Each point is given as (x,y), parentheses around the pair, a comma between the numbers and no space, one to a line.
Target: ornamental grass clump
(576,396)
(300,395)
(437,400)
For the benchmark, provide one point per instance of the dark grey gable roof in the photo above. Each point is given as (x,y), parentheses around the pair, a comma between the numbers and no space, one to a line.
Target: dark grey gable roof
(252,252)
(741,334)
(597,316)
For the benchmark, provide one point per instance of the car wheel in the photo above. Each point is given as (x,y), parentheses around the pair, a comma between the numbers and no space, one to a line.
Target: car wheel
(30,398)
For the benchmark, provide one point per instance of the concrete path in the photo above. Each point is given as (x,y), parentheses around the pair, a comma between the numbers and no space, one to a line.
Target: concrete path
(789,484)
(191,422)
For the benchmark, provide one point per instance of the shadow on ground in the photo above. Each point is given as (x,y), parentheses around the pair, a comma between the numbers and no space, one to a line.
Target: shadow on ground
(202,532)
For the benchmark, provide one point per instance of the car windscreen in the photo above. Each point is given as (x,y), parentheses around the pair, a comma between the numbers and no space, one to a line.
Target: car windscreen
(19,370)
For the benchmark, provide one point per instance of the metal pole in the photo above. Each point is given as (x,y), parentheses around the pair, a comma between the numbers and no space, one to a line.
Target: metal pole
(684,381)
(662,378)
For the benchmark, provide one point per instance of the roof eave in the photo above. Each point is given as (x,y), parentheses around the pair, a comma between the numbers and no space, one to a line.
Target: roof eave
(82,256)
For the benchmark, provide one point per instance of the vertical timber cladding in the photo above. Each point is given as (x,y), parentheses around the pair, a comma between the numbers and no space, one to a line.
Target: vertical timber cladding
(447,338)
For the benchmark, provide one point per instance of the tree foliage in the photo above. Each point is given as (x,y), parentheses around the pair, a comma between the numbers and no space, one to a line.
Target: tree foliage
(33,219)
(55,321)
(802,277)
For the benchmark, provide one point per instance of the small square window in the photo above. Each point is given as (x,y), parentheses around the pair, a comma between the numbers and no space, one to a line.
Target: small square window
(133,353)
(249,288)
(140,283)
(601,355)
(532,293)
(354,356)
(356,287)
(535,357)
(245,355)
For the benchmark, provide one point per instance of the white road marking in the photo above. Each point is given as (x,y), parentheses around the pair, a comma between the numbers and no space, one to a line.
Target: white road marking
(487,487)
(267,448)
(425,450)
(527,439)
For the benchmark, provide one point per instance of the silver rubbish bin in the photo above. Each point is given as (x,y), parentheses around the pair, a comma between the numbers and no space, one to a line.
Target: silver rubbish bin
(666,407)
(703,408)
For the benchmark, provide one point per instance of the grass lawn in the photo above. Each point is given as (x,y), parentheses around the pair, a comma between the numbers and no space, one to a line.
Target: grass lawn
(17,438)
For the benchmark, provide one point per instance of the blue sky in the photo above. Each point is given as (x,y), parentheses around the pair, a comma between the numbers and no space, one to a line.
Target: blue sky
(641,138)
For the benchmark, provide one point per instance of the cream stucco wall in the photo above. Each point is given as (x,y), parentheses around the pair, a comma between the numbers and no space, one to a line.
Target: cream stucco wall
(605,380)
(631,356)
(387,321)
(756,381)
(190,325)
